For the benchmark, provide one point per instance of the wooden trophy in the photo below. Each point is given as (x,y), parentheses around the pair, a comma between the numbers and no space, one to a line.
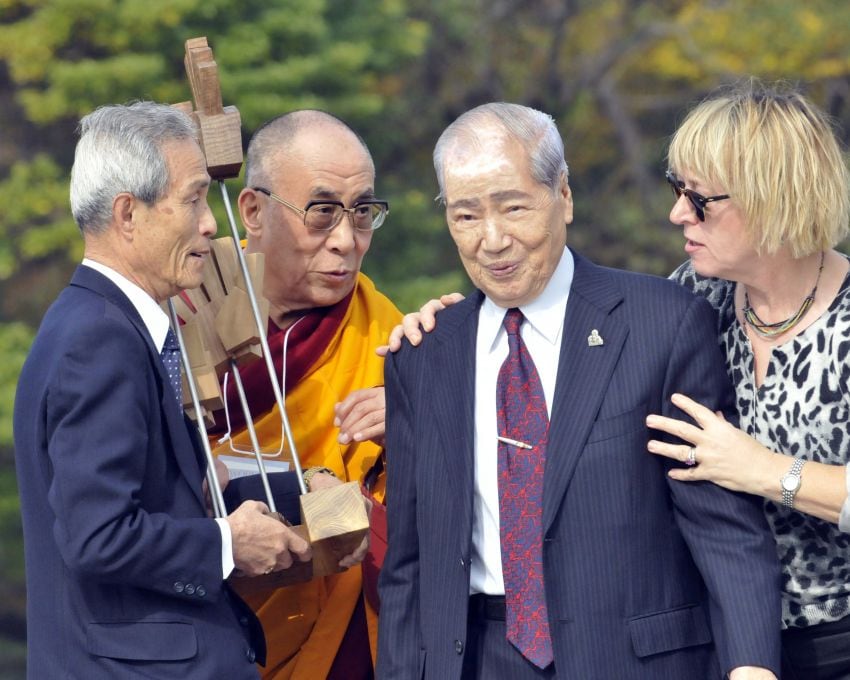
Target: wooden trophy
(224,327)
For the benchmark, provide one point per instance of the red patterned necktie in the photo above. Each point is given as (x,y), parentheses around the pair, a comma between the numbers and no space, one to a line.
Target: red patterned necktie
(522,417)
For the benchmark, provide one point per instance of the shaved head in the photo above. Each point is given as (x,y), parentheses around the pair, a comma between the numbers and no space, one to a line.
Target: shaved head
(274,140)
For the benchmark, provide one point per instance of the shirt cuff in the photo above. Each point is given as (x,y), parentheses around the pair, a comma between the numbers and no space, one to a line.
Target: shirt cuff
(227,563)
(844,517)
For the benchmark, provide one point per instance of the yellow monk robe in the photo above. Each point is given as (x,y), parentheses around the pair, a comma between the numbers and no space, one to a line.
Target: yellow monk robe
(304,624)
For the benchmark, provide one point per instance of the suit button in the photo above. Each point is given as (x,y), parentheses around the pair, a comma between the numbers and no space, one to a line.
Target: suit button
(458,646)
(190,589)
(200,591)
(251,655)
(462,563)
(178,586)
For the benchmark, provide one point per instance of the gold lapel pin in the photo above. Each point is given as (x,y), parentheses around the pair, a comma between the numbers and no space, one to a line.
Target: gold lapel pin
(594,339)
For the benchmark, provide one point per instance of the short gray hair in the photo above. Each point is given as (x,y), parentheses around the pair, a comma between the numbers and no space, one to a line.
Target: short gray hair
(277,135)
(534,130)
(120,150)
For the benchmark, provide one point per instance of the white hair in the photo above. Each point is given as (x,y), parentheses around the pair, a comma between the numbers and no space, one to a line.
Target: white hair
(534,130)
(120,150)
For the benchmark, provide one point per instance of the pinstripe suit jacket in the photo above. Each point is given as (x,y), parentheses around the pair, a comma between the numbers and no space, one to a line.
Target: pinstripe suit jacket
(645,577)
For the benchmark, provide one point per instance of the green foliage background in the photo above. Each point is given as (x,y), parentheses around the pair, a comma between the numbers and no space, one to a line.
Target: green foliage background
(616,74)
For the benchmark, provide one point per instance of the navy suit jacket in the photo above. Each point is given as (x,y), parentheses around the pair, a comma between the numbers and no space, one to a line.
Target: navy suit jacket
(123,565)
(645,577)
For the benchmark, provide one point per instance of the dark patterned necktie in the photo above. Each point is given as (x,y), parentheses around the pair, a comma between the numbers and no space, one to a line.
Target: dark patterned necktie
(171,359)
(522,418)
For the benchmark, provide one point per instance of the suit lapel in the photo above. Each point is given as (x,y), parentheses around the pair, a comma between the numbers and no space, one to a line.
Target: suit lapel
(584,371)
(183,447)
(454,399)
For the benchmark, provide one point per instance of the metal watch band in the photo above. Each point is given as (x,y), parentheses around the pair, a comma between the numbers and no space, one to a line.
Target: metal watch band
(788,496)
(309,472)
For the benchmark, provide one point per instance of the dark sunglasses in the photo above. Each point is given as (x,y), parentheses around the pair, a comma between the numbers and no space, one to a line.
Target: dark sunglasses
(697,200)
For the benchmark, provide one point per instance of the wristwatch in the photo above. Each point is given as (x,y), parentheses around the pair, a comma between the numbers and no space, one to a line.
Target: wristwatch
(791,482)
(309,472)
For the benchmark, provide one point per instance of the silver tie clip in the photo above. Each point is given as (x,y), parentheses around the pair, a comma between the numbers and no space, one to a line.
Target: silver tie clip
(514,442)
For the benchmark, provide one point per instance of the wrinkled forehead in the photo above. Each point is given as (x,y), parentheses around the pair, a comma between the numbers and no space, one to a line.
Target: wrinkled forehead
(186,163)
(320,145)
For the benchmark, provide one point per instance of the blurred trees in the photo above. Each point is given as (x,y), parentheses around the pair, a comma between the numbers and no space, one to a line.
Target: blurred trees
(617,75)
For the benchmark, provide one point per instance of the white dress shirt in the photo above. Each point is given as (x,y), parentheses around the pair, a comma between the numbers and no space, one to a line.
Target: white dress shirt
(541,332)
(156,322)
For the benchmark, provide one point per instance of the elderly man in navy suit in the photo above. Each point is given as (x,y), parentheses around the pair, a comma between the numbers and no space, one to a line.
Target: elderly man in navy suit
(530,535)
(125,571)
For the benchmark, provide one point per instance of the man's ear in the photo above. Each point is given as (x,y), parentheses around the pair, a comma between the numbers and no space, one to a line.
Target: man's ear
(124,212)
(249,212)
(567,195)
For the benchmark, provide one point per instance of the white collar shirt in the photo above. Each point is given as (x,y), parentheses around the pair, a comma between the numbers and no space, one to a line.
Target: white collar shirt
(153,316)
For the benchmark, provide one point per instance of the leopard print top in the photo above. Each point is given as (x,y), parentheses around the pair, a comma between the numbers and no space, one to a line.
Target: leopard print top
(803,410)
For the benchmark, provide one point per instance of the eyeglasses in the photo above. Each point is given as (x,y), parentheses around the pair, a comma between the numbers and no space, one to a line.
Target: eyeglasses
(698,201)
(366,215)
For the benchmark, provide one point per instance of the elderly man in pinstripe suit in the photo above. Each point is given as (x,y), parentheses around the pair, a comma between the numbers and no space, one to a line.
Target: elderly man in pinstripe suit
(530,535)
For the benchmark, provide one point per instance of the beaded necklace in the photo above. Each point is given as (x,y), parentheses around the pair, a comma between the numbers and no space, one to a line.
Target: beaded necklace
(771,330)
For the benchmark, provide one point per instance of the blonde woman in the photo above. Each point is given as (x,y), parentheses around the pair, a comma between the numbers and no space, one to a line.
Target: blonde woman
(763,196)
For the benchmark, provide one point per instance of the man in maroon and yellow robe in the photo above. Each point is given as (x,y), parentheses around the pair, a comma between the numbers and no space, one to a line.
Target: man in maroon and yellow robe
(326,319)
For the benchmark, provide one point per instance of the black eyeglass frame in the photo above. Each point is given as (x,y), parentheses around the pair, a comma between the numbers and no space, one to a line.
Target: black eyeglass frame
(338,204)
(698,201)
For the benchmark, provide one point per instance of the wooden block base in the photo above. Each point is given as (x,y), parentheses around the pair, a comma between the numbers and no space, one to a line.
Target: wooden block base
(334,522)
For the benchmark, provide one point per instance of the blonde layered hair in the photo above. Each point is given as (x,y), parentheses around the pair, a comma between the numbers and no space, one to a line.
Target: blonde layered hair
(778,158)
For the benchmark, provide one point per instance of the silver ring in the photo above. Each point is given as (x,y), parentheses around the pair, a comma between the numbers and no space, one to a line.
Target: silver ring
(269,570)
(691,460)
